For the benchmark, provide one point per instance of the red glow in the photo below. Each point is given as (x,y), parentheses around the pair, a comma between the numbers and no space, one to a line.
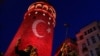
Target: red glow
(34,31)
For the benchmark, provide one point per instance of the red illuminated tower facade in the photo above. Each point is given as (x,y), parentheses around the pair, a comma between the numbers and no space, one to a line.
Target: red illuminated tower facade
(36,29)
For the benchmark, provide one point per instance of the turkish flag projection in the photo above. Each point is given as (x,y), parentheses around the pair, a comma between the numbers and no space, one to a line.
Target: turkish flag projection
(36,30)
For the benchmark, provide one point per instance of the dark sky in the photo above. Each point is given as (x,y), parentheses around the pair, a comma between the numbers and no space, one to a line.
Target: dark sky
(76,13)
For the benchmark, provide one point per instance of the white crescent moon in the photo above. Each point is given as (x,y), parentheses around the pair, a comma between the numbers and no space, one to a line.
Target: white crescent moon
(34,25)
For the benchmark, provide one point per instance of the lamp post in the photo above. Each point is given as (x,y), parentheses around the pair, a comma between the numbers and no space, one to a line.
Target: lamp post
(67,28)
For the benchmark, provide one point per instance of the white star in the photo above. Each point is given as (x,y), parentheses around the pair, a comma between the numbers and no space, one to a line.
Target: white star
(48,30)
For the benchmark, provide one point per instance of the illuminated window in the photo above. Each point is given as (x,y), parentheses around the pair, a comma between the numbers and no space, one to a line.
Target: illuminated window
(49,18)
(36,12)
(45,7)
(38,6)
(50,10)
(48,23)
(32,6)
(43,14)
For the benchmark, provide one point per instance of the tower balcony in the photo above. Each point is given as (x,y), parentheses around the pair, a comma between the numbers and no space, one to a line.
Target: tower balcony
(43,6)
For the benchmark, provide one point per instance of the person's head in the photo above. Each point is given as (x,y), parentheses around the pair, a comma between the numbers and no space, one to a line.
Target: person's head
(34,52)
(33,49)
(28,48)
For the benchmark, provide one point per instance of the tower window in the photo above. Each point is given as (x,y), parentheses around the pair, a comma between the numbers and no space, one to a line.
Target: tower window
(34,17)
(93,39)
(36,12)
(50,10)
(53,24)
(48,23)
(49,18)
(38,6)
(45,7)
(43,14)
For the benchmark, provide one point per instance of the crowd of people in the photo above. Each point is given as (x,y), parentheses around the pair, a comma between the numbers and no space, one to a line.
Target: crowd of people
(32,51)
(28,51)
(67,51)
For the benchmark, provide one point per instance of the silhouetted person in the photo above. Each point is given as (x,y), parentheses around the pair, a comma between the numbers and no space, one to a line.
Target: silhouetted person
(34,52)
(25,52)
(63,51)
(1,54)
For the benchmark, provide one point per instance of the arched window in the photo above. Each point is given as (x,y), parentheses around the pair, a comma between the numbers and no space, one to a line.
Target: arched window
(45,7)
(32,6)
(50,10)
(38,6)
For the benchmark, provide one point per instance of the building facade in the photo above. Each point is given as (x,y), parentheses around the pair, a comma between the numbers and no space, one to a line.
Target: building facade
(88,40)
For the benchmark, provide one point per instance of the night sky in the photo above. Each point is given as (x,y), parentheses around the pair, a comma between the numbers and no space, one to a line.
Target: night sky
(75,13)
